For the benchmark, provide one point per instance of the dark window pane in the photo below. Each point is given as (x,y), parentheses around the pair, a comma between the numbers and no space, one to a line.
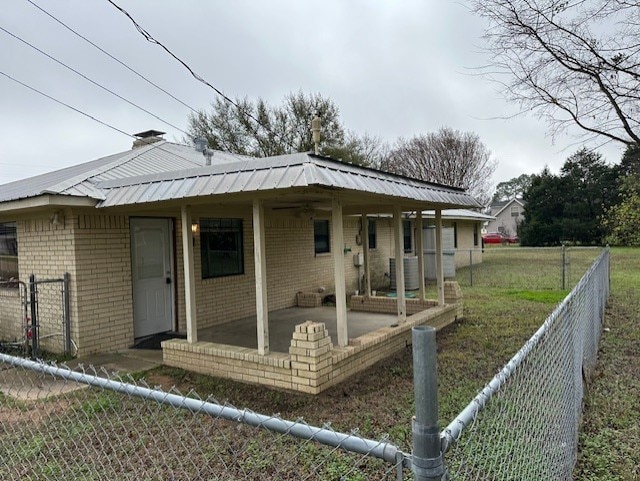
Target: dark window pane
(321,236)
(221,247)
(8,251)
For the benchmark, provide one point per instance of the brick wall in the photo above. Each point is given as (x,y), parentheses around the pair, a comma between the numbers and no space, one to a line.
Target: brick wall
(389,305)
(11,314)
(292,266)
(47,250)
(103,283)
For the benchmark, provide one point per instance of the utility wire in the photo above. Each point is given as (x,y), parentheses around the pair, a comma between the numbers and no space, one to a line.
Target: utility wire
(65,104)
(156,145)
(151,39)
(131,69)
(91,80)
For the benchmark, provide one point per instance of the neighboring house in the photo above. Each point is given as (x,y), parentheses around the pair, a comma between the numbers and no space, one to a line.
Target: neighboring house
(508,216)
(154,240)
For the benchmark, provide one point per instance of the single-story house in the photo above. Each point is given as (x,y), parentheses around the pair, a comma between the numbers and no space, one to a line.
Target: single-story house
(161,238)
(508,216)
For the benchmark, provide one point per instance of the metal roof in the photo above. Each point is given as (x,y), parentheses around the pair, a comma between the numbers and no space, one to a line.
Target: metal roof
(275,173)
(463,214)
(165,171)
(80,180)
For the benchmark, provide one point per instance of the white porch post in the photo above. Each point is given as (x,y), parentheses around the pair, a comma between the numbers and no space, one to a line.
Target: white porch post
(399,247)
(338,265)
(189,276)
(439,260)
(365,255)
(420,249)
(262,307)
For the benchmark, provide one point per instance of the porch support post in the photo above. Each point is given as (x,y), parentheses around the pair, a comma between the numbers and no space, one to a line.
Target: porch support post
(365,255)
(189,276)
(338,265)
(399,248)
(439,259)
(262,307)
(420,249)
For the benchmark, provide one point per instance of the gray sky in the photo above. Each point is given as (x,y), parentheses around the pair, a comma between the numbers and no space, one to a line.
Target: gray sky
(394,68)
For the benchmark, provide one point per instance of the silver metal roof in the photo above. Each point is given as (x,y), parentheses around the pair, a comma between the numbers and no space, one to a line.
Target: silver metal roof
(276,173)
(458,214)
(165,171)
(80,180)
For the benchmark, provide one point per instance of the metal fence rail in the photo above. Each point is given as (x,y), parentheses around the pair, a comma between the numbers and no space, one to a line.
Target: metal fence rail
(524,424)
(57,423)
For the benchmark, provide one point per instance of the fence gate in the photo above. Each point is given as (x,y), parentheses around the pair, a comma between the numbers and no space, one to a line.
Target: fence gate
(35,315)
(13,316)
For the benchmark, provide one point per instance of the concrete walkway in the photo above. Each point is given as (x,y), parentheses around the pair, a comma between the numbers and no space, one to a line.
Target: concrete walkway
(26,385)
(282,322)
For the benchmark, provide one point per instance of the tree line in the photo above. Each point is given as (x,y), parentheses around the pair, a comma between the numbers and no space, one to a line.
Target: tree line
(588,203)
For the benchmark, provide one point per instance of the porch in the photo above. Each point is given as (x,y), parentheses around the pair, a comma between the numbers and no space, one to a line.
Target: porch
(282,323)
(304,356)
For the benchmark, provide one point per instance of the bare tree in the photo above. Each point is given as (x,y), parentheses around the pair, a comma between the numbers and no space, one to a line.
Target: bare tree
(447,157)
(573,62)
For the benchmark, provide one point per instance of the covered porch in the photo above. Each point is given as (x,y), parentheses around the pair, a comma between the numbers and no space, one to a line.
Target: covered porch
(311,350)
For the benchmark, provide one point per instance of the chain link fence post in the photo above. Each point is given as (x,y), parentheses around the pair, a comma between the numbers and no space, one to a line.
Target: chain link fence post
(66,313)
(471,267)
(33,329)
(426,458)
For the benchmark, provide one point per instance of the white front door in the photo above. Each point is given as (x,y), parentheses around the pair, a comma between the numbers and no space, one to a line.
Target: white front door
(152,275)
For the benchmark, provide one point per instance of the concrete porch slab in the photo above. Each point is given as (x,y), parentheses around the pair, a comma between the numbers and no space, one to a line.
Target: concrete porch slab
(282,322)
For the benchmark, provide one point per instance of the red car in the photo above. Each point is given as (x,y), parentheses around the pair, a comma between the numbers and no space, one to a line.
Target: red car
(495,238)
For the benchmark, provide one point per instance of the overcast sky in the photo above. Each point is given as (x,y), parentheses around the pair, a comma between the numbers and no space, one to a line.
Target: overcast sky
(394,68)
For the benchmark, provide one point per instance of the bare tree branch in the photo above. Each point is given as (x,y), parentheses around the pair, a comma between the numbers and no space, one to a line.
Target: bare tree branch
(572,62)
(447,157)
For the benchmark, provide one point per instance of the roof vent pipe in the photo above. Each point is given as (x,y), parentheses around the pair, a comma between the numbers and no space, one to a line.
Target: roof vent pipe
(315,133)
(208,153)
(200,144)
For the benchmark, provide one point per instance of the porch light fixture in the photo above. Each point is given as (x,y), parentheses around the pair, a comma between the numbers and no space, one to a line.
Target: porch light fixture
(194,228)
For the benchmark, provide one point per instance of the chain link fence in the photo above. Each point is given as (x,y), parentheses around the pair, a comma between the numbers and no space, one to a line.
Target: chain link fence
(61,424)
(524,424)
(548,268)
(57,423)
(35,317)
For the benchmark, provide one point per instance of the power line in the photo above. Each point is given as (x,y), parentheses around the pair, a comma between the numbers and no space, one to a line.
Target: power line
(154,146)
(65,104)
(151,39)
(91,80)
(131,69)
